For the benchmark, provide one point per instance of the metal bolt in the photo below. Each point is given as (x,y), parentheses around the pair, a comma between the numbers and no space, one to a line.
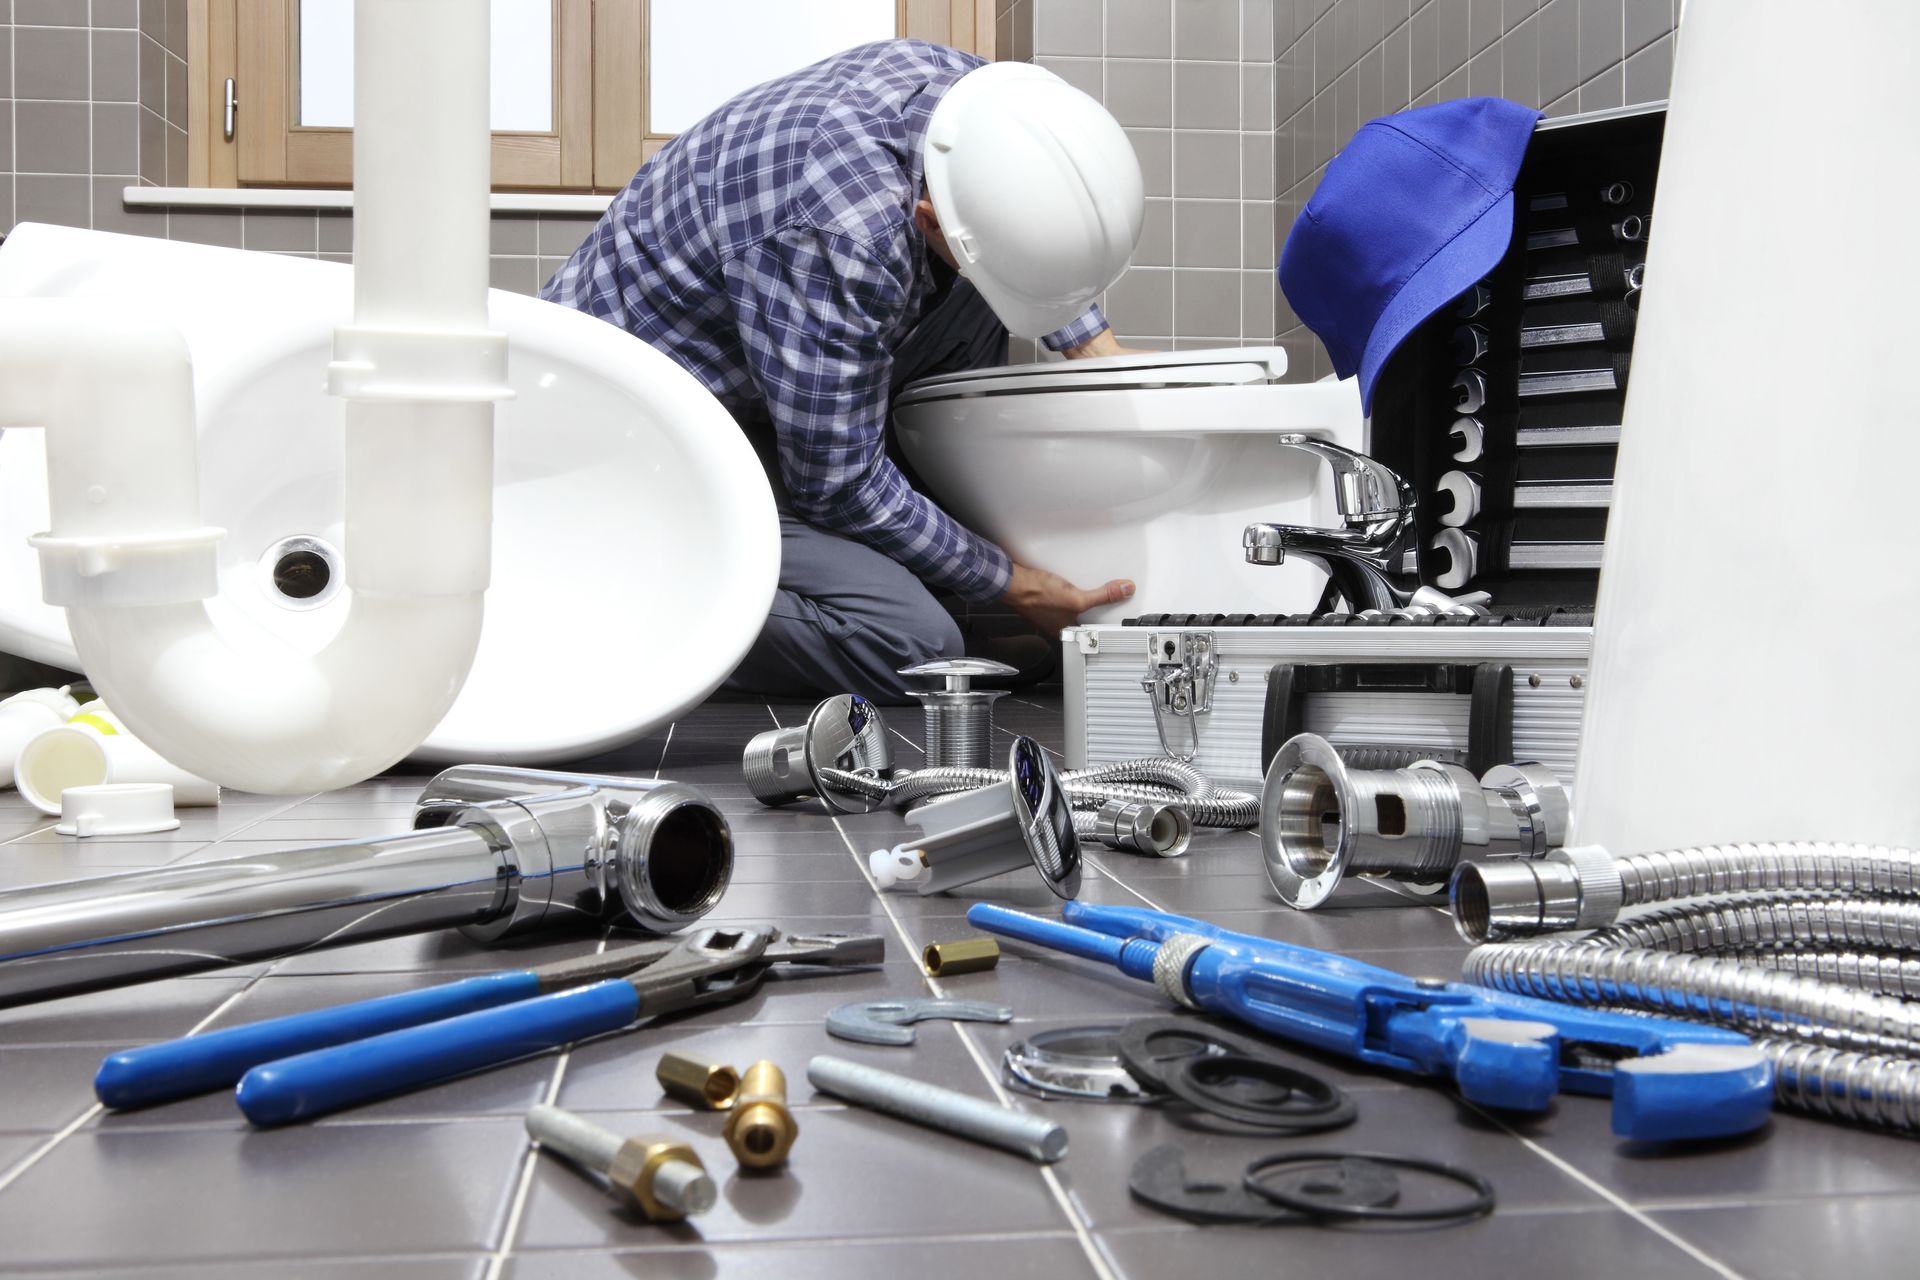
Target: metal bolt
(1578,682)
(937,1108)
(654,1176)
(1233,677)
(1533,681)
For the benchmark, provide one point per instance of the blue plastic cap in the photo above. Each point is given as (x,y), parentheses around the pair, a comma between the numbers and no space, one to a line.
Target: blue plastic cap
(1417,208)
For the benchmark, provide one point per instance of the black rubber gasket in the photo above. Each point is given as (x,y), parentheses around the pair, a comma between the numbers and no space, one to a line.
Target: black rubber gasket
(1253,1181)
(1160,1179)
(1308,1105)
(1146,1047)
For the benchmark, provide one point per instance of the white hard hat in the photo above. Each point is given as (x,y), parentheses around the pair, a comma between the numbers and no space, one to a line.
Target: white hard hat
(1037,190)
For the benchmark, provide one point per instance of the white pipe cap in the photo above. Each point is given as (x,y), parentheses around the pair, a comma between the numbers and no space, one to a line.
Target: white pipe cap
(117,809)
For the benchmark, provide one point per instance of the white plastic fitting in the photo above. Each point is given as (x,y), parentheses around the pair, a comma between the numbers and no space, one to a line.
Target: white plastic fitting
(127,556)
(91,751)
(25,714)
(116,809)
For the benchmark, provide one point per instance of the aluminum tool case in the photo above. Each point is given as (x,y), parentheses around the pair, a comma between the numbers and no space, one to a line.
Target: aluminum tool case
(1551,339)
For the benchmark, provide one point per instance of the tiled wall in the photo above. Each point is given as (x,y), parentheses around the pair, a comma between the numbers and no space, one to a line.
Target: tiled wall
(93,99)
(1192,82)
(1340,63)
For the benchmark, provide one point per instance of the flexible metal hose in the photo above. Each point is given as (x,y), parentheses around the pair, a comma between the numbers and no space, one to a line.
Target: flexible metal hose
(1155,770)
(1747,868)
(1890,975)
(1864,1088)
(1771,921)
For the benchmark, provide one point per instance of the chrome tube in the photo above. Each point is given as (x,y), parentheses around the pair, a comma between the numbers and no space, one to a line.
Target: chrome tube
(495,852)
(1206,806)
(85,935)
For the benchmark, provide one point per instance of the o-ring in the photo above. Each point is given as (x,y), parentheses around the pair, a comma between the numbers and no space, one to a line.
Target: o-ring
(1309,1105)
(1139,1046)
(1479,1205)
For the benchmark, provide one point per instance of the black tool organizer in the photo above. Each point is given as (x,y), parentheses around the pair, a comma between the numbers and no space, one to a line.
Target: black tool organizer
(1538,543)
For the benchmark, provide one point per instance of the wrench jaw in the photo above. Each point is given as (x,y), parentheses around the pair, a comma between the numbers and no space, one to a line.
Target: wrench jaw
(1506,1063)
(1692,1091)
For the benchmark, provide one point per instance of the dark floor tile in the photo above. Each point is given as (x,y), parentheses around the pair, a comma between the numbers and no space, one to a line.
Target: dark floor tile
(44,1089)
(161,1196)
(1515,1244)
(827,897)
(1049,1256)
(449,952)
(458,1268)
(124,1015)
(1859,1237)
(798,867)
(847,1168)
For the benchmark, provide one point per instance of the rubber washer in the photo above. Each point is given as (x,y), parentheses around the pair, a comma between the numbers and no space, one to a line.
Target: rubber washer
(1308,1105)
(1150,1047)
(1255,1180)
(1159,1178)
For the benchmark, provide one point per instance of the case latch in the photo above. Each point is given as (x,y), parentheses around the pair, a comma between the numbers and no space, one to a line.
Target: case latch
(1181,666)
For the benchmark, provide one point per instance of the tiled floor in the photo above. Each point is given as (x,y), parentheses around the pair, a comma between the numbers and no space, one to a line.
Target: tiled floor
(442,1182)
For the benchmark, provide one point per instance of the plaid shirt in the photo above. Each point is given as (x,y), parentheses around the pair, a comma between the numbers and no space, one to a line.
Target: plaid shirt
(770,251)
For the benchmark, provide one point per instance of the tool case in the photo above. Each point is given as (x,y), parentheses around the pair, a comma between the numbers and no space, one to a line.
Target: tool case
(1503,412)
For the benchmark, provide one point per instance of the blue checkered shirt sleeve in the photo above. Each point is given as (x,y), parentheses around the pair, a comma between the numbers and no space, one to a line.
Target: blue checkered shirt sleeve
(816,311)
(1080,332)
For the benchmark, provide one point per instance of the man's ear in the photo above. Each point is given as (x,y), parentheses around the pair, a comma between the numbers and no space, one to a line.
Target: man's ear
(925,220)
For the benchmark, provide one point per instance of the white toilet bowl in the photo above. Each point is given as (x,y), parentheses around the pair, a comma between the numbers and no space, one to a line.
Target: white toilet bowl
(1146,467)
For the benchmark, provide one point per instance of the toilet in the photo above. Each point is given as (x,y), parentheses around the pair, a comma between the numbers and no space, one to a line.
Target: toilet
(1145,466)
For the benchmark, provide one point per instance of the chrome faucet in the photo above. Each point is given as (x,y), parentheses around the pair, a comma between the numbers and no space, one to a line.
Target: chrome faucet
(1366,558)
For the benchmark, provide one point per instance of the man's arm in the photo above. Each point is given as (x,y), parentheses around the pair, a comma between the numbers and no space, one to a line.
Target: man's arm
(1088,336)
(814,310)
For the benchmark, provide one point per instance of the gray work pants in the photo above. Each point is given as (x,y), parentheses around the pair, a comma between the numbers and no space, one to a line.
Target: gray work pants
(846,617)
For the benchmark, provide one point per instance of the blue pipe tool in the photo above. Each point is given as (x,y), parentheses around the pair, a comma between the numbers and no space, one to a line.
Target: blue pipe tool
(308,1064)
(1669,1080)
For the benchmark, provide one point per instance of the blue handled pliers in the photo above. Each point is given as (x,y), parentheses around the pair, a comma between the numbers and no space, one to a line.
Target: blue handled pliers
(1669,1080)
(308,1064)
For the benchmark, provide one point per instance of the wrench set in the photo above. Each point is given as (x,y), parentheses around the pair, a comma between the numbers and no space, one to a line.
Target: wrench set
(1504,409)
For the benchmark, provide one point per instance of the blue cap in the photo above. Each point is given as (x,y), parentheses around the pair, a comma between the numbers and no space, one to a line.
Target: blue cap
(1417,208)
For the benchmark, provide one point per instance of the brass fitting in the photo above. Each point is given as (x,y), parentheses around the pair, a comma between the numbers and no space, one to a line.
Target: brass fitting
(760,1130)
(969,955)
(711,1086)
(660,1178)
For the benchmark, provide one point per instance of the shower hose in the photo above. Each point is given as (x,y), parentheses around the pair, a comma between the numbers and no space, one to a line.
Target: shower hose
(1147,779)
(1811,948)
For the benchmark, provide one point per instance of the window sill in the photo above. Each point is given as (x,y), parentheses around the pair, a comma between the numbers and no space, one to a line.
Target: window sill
(294,198)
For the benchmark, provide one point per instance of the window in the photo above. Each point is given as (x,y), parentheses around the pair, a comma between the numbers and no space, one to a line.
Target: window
(584,90)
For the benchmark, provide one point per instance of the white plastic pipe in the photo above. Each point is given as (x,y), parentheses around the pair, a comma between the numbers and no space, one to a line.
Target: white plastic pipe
(25,714)
(1755,627)
(126,555)
(77,754)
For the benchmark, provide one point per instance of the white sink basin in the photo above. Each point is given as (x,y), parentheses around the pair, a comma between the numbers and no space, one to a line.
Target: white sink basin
(635,545)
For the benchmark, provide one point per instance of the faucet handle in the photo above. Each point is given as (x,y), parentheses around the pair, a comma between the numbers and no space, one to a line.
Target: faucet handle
(1363,486)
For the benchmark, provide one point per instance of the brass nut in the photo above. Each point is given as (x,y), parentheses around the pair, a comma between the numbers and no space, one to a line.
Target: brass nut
(634,1167)
(711,1086)
(969,955)
(760,1130)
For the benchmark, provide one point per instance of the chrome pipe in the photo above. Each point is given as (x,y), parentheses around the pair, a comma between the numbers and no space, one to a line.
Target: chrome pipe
(496,852)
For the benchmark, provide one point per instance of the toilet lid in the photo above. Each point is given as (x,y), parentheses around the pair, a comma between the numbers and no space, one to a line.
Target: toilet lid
(1225,366)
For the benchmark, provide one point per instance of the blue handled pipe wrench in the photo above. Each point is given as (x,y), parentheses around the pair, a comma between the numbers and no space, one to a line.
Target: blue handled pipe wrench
(1668,1080)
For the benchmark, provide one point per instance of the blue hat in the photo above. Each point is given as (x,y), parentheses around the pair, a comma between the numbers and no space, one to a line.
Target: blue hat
(1417,208)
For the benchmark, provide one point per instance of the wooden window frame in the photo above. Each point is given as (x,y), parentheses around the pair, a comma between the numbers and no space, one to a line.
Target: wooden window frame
(600,137)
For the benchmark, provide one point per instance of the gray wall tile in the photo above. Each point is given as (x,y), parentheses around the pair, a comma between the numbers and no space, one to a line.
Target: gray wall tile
(520,275)
(1206,164)
(65,200)
(151,70)
(1256,166)
(203,226)
(1140,92)
(291,231)
(111,212)
(1559,47)
(1139,29)
(175,31)
(116,71)
(116,139)
(1256,96)
(1484,24)
(1067,28)
(336,231)
(1649,72)
(1206,233)
(1207,30)
(515,236)
(177,160)
(1256,234)
(152,158)
(1647,21)
(1141,302)
(1483,74)
(1608,89)
(1256,30)
(6,61)
(176,92)
(50,62)
(116,13)
(1156,236)
(1084,74)
(1206,95)
(559,236)
(1205,303)
(1520,63)
(52,13)
(1601,39)
(51,137)
(1154,147)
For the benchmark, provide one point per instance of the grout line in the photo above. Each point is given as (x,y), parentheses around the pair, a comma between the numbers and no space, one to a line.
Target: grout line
(1081,1229)
(1609,1195)
(529,1160)
(664,748)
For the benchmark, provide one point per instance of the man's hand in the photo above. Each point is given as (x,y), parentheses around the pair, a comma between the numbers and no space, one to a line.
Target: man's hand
(1051,603)
(1102,343)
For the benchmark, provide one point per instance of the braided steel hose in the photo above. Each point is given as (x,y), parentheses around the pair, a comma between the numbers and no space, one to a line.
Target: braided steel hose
(1766,921)
(1867,1089)
(1157,771)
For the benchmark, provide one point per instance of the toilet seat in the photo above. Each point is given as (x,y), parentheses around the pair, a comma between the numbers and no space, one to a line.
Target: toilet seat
(1229,366)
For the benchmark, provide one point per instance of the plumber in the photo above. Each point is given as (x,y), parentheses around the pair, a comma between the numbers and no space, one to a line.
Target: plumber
(822,240)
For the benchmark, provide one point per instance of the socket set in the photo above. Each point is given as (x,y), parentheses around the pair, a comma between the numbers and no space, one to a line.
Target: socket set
(1504,409)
